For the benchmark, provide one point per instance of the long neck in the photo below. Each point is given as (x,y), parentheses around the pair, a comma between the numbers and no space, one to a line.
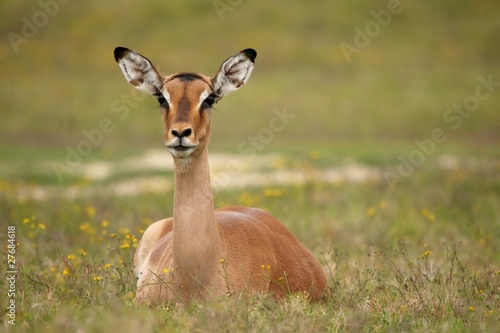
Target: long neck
(196,240)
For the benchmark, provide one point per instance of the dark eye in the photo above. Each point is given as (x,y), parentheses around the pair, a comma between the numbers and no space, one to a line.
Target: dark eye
(210,100)
(161,99)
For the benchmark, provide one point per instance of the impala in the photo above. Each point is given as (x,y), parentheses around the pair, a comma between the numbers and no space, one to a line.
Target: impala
(201,253)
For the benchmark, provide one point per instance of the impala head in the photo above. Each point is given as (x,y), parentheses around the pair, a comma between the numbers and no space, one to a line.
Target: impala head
(186,98)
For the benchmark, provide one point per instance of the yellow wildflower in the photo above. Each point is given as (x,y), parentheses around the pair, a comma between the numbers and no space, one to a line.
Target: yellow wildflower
(314,154)
(71,257)
(371,211)
(90,211)
(97,278)
(272,192)
(83,253)
(428,215)
(124,231)
(41,226)
(105,224)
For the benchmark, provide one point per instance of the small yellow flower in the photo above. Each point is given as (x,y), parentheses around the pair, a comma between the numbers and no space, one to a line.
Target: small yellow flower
(71,257)
(97,278)
(124,231)
(427,214)
(26,220)
(41,226)
(488,314)
(382,204)
(83,253)
(125,245)
(113,235)
(427,253)
(263,266)
(87,227)
(52,269)
(105,224)
(314,154)
(90,211)
(471,309)
(107,266)
(273,192)
(66,272)
(222,261)
(165,271)
(141,231)
(371,211)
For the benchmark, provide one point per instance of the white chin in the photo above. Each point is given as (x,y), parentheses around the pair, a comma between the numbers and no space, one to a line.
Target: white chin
(176,153)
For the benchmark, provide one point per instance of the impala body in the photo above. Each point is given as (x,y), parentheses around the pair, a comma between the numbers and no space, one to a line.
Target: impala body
(201,253)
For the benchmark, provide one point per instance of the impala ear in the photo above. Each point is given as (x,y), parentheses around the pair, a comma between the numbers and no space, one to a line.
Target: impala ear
(139,71)
(234,72)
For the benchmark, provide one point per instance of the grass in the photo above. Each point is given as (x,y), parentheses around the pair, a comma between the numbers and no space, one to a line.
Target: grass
(422,257)
(397,260)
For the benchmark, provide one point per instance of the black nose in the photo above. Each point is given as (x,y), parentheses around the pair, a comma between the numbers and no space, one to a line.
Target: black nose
(185,132)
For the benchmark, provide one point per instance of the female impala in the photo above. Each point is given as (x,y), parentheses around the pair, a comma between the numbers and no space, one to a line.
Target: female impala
(201,253)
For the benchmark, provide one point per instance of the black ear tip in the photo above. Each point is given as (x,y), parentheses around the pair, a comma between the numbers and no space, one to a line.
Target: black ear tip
(120,52)
(250,53)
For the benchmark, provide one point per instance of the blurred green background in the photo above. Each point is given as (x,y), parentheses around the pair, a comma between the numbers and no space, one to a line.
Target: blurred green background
(63,78)
(59,79)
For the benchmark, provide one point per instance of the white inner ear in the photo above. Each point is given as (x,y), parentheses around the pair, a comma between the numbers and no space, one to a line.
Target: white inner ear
(233,73)
(238,70)
(203,96)
(140,72)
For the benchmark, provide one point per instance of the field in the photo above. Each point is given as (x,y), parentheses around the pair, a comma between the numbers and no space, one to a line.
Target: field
(386,164)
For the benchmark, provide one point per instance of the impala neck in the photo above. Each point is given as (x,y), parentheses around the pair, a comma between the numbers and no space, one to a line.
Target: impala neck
(196,239)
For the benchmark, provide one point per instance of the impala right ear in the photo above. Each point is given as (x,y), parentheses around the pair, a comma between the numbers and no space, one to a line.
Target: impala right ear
(139,71)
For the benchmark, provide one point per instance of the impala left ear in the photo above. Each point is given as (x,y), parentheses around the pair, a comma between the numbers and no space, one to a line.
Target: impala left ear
(234,72)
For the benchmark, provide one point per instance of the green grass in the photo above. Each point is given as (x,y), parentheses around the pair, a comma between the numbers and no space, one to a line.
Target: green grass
(423,257)
(397,260)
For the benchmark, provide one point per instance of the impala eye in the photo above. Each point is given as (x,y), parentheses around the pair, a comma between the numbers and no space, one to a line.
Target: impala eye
(210,100)
(161,99)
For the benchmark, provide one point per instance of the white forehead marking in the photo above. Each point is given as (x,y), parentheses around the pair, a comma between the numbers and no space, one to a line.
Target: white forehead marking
(203,96)
(167,96)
